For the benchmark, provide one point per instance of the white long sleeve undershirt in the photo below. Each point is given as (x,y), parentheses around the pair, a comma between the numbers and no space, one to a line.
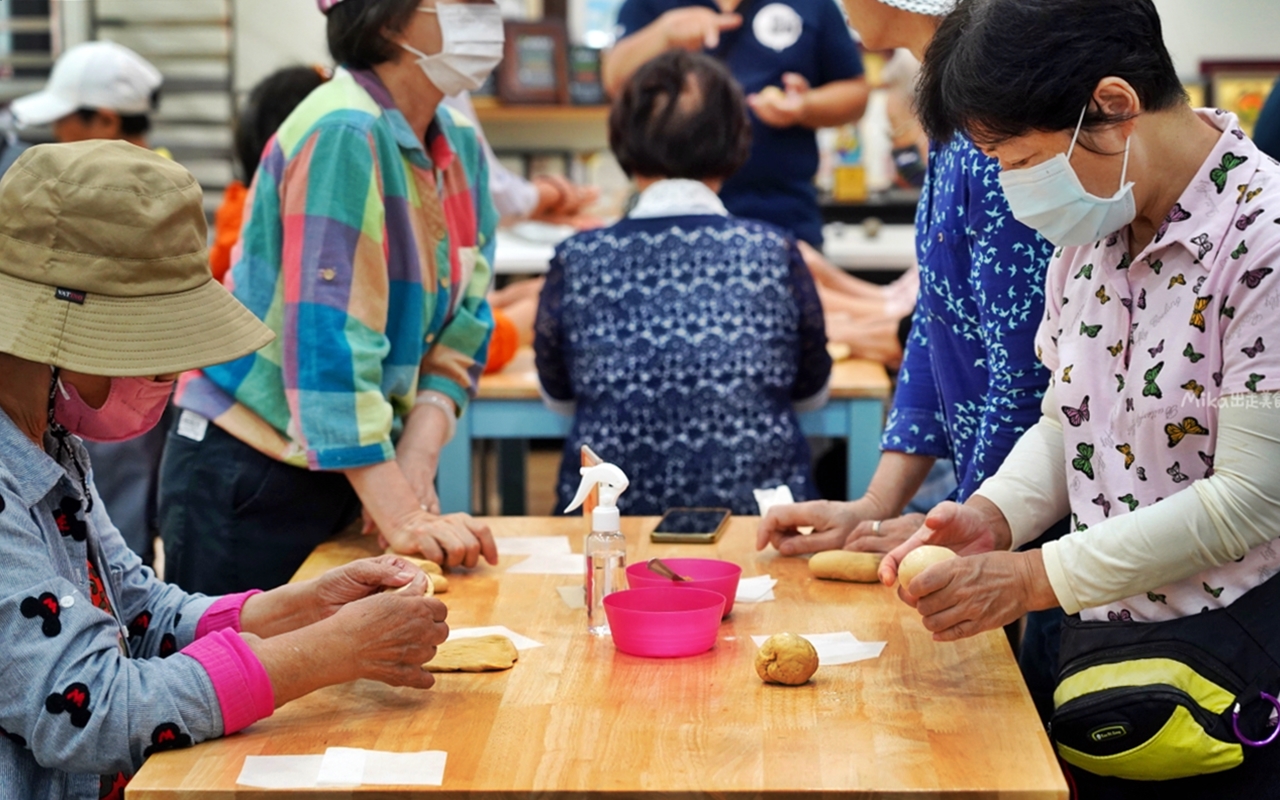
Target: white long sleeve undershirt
(1215,521)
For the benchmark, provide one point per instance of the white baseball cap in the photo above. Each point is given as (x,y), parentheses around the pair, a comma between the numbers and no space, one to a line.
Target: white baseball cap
(92,75)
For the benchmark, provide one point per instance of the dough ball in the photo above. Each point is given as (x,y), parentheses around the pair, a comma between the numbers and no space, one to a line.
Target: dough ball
(772,93)
(843,565)
(439,583)
(786,658)
(429,567)
(920,559)
(474,654)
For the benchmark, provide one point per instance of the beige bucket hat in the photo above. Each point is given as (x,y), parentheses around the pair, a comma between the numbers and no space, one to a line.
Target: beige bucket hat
(104,268)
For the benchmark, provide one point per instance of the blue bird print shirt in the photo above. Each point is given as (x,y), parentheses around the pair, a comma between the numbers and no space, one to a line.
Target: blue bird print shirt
(970,383)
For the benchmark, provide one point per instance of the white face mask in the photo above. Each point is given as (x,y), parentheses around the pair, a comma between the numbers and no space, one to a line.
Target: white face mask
(1050,199)
(473,37)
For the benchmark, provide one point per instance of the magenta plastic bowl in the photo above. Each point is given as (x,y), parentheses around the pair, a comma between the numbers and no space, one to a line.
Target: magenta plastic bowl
(707,573)
(665,622)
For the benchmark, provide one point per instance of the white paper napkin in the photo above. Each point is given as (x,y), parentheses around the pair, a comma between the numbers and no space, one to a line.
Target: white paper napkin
(341,766)
(550,564)
(521,642)
(778,496)
(405,769)
(837,648)
(280,772)
(768,498)
(533,545)
(344,766)
(572,596)
(755,590)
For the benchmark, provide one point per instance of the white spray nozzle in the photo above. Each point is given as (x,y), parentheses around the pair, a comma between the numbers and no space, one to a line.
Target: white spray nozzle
(611,480)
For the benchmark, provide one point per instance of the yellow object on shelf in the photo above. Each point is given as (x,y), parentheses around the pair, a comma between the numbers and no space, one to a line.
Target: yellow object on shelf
(850,183)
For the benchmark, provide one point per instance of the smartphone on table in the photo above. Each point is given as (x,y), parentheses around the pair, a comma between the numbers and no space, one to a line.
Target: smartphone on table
(691,525)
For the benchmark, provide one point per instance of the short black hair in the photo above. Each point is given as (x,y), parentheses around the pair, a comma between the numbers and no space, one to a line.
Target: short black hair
(269,105)
(999,69)
(681,115)
(130,124)
(357,30)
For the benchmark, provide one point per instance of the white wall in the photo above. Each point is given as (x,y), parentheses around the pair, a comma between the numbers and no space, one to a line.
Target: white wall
(1198,30)
(271,34)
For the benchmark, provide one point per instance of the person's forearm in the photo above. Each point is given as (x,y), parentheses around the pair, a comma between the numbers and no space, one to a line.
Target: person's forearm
(301,661)
(426,432)
(283,609)
(1030,488)
(897,479)
(385,493)
(628,55)
(1213,522)
(836,103)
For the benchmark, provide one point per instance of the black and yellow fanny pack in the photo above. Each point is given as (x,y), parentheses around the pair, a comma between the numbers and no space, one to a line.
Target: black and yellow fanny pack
(1167,700)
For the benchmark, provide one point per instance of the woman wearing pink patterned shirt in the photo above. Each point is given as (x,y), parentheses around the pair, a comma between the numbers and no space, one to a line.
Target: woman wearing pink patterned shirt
(1160,432)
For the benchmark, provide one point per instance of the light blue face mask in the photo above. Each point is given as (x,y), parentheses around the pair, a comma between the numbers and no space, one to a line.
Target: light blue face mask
(1050,199)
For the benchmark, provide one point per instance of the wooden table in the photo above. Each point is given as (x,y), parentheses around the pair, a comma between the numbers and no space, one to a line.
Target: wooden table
(575,718)
(509,408)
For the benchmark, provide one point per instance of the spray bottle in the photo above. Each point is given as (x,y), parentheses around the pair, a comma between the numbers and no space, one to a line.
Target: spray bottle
(605,548)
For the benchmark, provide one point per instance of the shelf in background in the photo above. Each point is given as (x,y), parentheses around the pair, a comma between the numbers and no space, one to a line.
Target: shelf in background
(548,113)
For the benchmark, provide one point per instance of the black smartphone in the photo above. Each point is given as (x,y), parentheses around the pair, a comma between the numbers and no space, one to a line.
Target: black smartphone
(701,525)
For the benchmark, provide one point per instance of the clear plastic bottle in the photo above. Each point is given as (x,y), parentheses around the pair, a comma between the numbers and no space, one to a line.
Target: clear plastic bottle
(605,547)
(606,573)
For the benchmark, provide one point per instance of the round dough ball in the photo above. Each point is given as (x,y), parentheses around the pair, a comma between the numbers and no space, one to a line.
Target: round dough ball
(772,93)
(786,658)
(844,565)
(920,559)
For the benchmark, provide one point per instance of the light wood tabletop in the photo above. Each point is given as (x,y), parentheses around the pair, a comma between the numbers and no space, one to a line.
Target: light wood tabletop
(852,378)
(575,717)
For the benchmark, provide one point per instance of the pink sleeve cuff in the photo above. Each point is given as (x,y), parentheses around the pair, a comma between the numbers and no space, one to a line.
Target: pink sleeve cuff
(239,679)
(224,613)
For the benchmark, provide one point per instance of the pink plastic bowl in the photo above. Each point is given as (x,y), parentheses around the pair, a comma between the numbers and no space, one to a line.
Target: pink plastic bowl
(707,573)
(664,623)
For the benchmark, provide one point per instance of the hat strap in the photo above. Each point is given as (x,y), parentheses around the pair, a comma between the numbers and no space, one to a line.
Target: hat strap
(61,433)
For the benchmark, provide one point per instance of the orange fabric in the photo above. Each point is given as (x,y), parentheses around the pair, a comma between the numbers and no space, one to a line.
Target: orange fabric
(227,229)
(503,343)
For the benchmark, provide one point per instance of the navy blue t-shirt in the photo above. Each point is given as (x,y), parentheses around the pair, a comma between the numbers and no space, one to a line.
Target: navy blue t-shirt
(808,37)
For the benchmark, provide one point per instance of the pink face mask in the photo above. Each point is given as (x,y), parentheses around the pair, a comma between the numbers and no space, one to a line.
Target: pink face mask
(133,407)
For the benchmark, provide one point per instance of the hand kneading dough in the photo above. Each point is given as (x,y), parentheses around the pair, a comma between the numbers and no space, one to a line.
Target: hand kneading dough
(429,567)
(786,658)
(428,589)
(477,654)
(920,559)
(843,565)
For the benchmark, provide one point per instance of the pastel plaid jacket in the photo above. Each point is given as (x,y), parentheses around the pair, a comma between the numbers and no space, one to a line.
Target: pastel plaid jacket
(369,255)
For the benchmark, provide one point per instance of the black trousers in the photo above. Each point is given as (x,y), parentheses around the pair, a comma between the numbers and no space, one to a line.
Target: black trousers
(233,519)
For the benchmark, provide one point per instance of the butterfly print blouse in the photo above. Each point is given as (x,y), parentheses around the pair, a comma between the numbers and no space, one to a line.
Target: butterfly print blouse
(1145,350)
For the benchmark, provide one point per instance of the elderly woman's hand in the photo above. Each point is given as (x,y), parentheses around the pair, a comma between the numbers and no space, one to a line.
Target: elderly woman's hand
(363,578)
(966,596)
(386,637)
(452,540)
(975,527)
(831,522)
(390,636)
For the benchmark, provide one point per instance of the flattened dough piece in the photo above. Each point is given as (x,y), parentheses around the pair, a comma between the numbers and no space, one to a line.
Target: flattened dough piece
(477,654)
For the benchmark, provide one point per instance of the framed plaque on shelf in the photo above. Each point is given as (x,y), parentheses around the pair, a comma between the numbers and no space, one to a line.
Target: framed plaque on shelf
(1241,87)
(585,86)
(535,65)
